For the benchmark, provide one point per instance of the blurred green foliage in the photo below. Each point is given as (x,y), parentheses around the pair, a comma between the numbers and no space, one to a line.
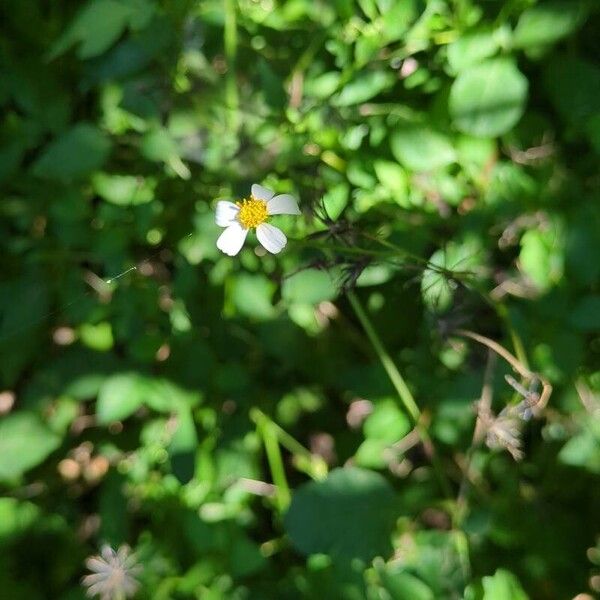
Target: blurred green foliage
(227,417)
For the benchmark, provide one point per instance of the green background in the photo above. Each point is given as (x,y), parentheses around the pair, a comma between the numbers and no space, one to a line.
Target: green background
(152,390)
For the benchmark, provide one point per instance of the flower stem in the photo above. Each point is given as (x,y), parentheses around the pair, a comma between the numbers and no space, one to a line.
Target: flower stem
(231,41)
(283,494)
(273,435)
(388,364)
(401,387)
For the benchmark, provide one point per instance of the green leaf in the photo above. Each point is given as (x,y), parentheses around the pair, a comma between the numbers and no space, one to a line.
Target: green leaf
(25,442)
(309,286)
(583,450)
(96,27)
(252,294)
(371,454)
(16,516)
(97,336)
(437,288)
(387,422)
(159,145)
(76,153)
(322,86)
(403,586)
(503,585)
(541,257)
(124,190)
(393,177)
(488,99)
(548,22)
(348,515)
(421,148)
(182,449)
(472,48)
(120,396)
(123,393)
(365,86)
(99,24)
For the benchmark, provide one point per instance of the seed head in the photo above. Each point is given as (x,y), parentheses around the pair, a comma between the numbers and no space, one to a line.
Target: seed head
(113,574)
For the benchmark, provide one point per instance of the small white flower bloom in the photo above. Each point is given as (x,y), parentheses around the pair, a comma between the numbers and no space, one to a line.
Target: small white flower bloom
(238,218)
(113,574)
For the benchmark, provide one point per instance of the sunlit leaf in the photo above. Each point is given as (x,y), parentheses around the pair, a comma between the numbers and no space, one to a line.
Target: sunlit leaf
(488,99)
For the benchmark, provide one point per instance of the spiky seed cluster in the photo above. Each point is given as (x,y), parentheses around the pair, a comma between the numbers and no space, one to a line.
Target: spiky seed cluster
(113,574)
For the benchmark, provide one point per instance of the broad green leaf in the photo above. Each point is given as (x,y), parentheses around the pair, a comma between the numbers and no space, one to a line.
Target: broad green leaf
(541,257)
(488,99)
(322,86)
(472,48)
(159,145)
(123,393)
(363,87)
(348,515)
(432,556)
(503,585)
(583,449)
(182,449)
(16,516)
(371,454)
(335,200)
(402,585)
(387,422)
(309,286)
(393,177)
(375,275)
(547,22)
(252,296)
(437,286)
(124,190)
(97,336)
(76,153)
(25,442)
(99,24)
(421,148)
(120,396)
(96,28)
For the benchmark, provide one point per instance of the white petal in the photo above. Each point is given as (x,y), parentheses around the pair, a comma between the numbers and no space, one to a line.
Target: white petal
(232,239)
(272,238)
(283,204)
(97,565)
(261,193)
(225,213)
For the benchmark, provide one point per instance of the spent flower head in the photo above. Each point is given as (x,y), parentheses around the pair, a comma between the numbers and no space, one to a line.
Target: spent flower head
(252,213)
(113,574)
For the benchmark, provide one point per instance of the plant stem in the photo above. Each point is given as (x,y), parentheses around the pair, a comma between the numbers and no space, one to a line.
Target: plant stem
(283,494)
(230,41)
(401,387)
(314,466)
(388,364)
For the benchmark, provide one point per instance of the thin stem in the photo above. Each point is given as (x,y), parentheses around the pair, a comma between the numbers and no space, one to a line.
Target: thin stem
(388,364)
(282,494)
(484,407)
(231,42)
(402,388)
(310,463)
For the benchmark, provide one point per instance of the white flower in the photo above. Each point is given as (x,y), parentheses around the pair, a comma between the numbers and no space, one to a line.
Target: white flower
(113,574)
(238,218)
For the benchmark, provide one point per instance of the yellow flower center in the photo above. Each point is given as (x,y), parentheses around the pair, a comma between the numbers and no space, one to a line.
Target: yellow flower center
(252,213)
